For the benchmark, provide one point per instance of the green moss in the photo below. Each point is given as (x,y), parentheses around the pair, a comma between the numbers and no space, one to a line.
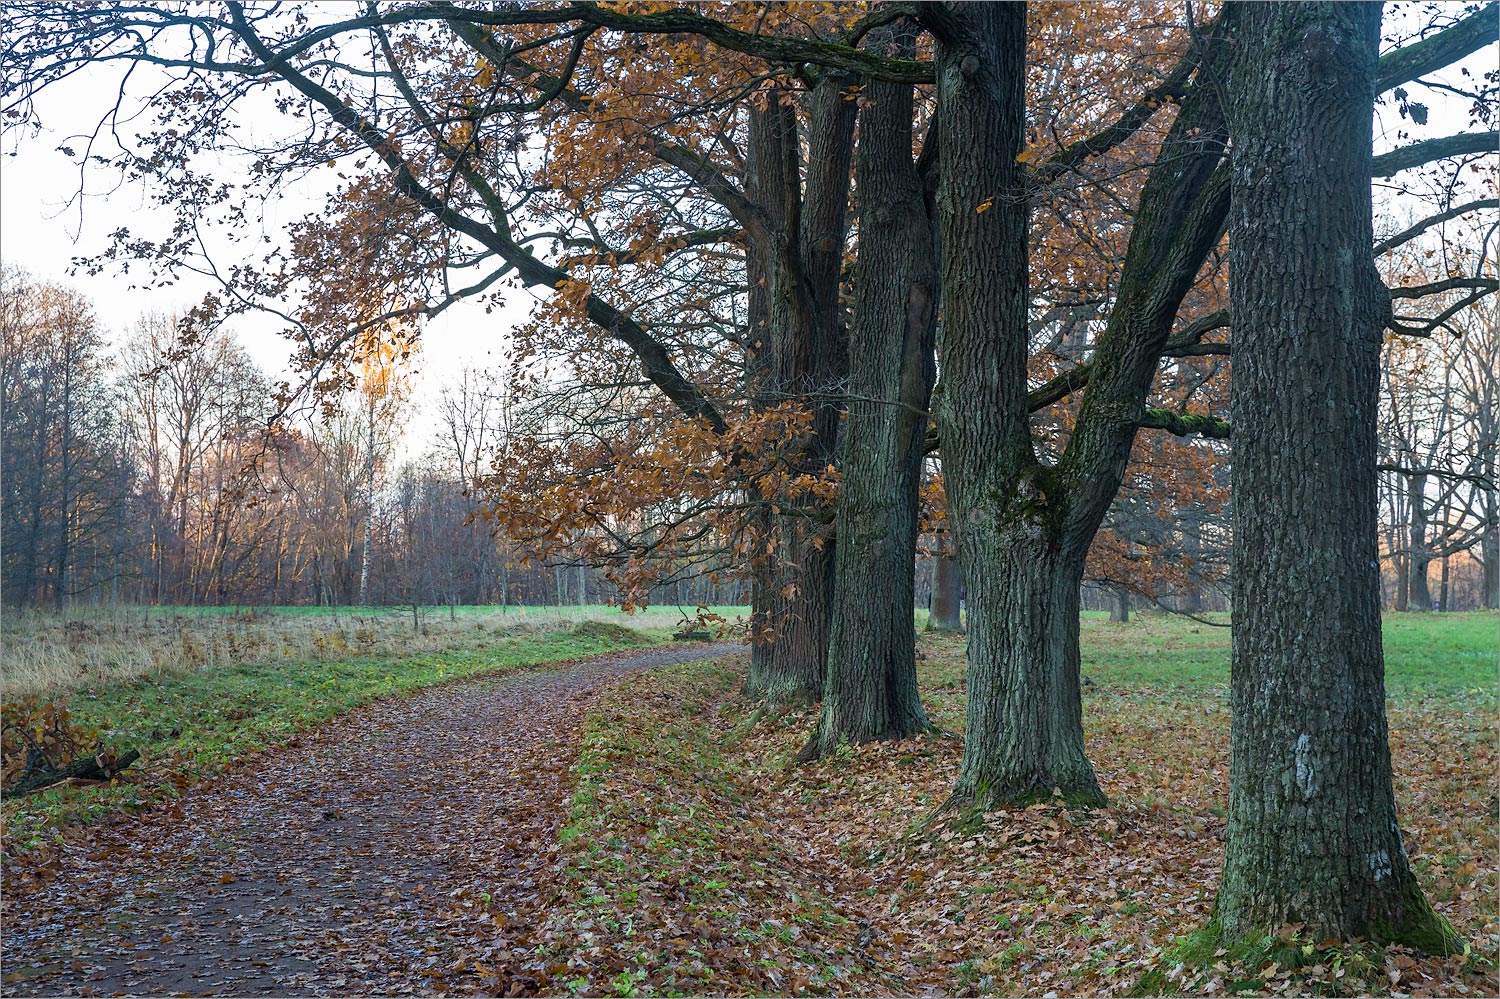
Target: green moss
(1085,799)
(1243,963)
(1424,929)
(1036,495)
(1184,424)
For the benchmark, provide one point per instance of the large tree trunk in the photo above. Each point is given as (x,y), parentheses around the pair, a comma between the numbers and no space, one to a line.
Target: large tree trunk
(1312,836)
(1489,548)
(1024,725)
(1003,503)
(1444,594)
(947,591)
(1023,528)
(871,687)
(789,647)
(800,355)
(1419,592)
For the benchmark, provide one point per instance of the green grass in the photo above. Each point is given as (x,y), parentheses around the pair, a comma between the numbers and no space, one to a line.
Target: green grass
(1425,653)
(655,616)
(193,724)
(223,712)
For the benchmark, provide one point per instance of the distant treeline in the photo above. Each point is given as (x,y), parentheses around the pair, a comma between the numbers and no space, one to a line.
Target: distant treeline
(153,473)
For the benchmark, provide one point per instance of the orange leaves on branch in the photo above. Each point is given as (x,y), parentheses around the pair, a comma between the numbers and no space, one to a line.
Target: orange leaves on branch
(571,297)
(659,496)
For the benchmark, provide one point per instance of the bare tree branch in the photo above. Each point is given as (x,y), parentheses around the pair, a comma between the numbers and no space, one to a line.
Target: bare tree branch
(1412,232)
(1424,152)
(1442,49)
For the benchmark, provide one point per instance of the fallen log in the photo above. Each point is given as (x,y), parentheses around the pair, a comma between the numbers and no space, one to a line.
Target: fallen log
(99,767)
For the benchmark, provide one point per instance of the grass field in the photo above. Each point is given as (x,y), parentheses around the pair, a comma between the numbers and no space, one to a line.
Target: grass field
(190,723)
(43,652)
(1424,652)
(50,653)
(197,688)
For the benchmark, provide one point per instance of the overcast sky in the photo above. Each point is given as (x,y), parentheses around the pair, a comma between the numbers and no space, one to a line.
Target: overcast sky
(43,225)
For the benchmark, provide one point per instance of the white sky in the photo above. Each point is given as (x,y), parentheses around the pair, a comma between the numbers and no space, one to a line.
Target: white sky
(44,225)
(41,231)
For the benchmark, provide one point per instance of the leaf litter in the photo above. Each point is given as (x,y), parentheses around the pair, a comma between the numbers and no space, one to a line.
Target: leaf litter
(704,862)
(523,836)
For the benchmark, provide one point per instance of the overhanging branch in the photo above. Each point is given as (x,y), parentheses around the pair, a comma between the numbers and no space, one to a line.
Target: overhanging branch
(1442,49)
(1424,152)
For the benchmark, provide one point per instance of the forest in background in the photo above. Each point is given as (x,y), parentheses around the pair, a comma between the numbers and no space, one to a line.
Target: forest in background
(149,468)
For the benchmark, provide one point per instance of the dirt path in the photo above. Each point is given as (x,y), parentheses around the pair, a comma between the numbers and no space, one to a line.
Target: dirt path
(386,853)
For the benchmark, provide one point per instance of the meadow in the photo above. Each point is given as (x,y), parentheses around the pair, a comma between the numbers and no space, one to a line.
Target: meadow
(197,690)
(47,653)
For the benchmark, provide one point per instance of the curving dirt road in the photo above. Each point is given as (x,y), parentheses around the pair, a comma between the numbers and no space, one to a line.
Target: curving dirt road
(394,851)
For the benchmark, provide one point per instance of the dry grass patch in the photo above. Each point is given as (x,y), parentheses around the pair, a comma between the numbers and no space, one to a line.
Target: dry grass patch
(47,653)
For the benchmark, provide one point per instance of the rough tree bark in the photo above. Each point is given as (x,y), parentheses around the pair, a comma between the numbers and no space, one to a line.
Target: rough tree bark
(947,591)
(803,357)
(871,687)
(1312,834)
(1024,527)
(1022,739)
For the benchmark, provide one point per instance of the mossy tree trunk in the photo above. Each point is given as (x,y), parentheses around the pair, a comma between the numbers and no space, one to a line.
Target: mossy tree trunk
(1313,835)
(1024,721)
(1023,527)
(1001,502)
(871,689)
